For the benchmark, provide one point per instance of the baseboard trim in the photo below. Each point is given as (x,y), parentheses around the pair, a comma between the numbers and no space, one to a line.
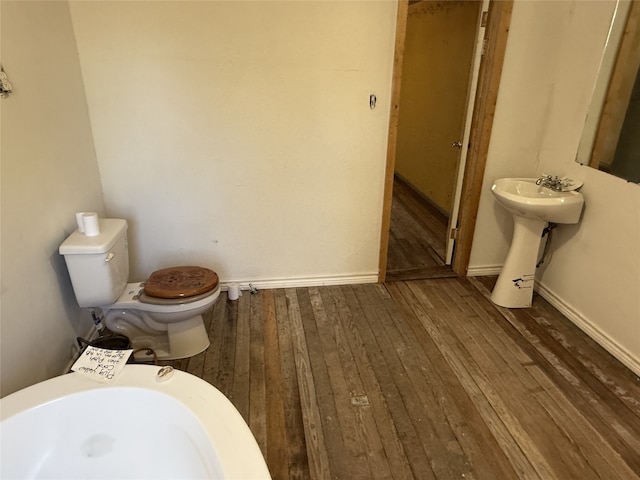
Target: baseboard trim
(590,329)
(301,282)
(485,271)
(595,333)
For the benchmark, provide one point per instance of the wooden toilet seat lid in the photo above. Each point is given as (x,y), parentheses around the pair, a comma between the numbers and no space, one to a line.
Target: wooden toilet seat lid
(180,282)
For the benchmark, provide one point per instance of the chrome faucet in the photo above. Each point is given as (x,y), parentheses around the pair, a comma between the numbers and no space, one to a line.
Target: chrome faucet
(555,183)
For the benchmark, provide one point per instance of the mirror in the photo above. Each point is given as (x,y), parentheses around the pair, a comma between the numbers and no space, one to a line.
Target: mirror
(611,138)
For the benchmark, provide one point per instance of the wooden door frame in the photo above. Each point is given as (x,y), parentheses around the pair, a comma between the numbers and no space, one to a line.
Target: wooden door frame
(496,33)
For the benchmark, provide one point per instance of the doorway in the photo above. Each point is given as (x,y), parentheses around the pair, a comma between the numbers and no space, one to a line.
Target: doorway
(436,81)
(477,132)
(417,237)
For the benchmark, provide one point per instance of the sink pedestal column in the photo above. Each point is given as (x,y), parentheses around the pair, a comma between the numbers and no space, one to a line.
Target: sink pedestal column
(514,288)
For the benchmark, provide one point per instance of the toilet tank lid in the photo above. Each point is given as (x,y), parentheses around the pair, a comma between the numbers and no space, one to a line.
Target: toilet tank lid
(111,229)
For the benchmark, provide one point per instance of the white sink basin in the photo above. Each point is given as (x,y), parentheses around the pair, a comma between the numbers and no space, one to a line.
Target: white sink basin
(522,197)
(532,207)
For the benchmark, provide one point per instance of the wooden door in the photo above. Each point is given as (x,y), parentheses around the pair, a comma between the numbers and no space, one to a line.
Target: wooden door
(438,55)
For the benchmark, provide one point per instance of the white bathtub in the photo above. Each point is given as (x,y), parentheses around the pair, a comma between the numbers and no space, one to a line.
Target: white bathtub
(72,427)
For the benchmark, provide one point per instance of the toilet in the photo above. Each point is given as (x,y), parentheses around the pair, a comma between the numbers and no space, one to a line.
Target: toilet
(163,314)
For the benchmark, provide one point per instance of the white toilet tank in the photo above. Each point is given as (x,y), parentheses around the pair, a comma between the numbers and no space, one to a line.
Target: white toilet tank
(98,265)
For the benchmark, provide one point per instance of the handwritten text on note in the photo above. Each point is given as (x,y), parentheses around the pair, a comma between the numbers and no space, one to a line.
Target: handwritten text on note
(101,364)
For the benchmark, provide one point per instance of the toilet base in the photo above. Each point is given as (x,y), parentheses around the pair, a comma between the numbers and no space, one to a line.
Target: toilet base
(187,338)
(173,341)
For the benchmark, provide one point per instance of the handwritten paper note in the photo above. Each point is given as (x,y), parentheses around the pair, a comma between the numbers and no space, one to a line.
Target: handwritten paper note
(101,364)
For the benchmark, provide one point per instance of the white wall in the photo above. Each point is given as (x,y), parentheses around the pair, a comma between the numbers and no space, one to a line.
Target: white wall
(49,171)
(550,67)
(238,135)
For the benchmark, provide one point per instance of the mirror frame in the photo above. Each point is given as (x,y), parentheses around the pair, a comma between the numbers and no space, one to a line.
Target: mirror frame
(603,126)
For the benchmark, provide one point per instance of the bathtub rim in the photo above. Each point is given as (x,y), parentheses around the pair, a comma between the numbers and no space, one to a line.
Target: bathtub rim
(238,455)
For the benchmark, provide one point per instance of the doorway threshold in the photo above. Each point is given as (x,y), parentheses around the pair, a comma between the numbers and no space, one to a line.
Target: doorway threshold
(440,271)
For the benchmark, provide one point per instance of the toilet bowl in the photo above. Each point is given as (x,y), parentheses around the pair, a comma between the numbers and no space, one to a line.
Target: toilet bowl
(163,314)
(171,328)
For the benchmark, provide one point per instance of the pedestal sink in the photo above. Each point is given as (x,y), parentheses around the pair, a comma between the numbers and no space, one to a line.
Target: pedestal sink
(532,207)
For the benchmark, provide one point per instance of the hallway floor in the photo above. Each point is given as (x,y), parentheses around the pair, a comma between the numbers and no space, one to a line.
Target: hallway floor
(421,379)
(417,237)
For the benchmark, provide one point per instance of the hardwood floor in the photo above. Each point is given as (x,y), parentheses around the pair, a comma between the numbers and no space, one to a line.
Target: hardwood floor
(421,379)
(417,237)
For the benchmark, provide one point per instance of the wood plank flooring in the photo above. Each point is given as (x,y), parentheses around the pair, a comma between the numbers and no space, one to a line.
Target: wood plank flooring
(417,237)
(422,379)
